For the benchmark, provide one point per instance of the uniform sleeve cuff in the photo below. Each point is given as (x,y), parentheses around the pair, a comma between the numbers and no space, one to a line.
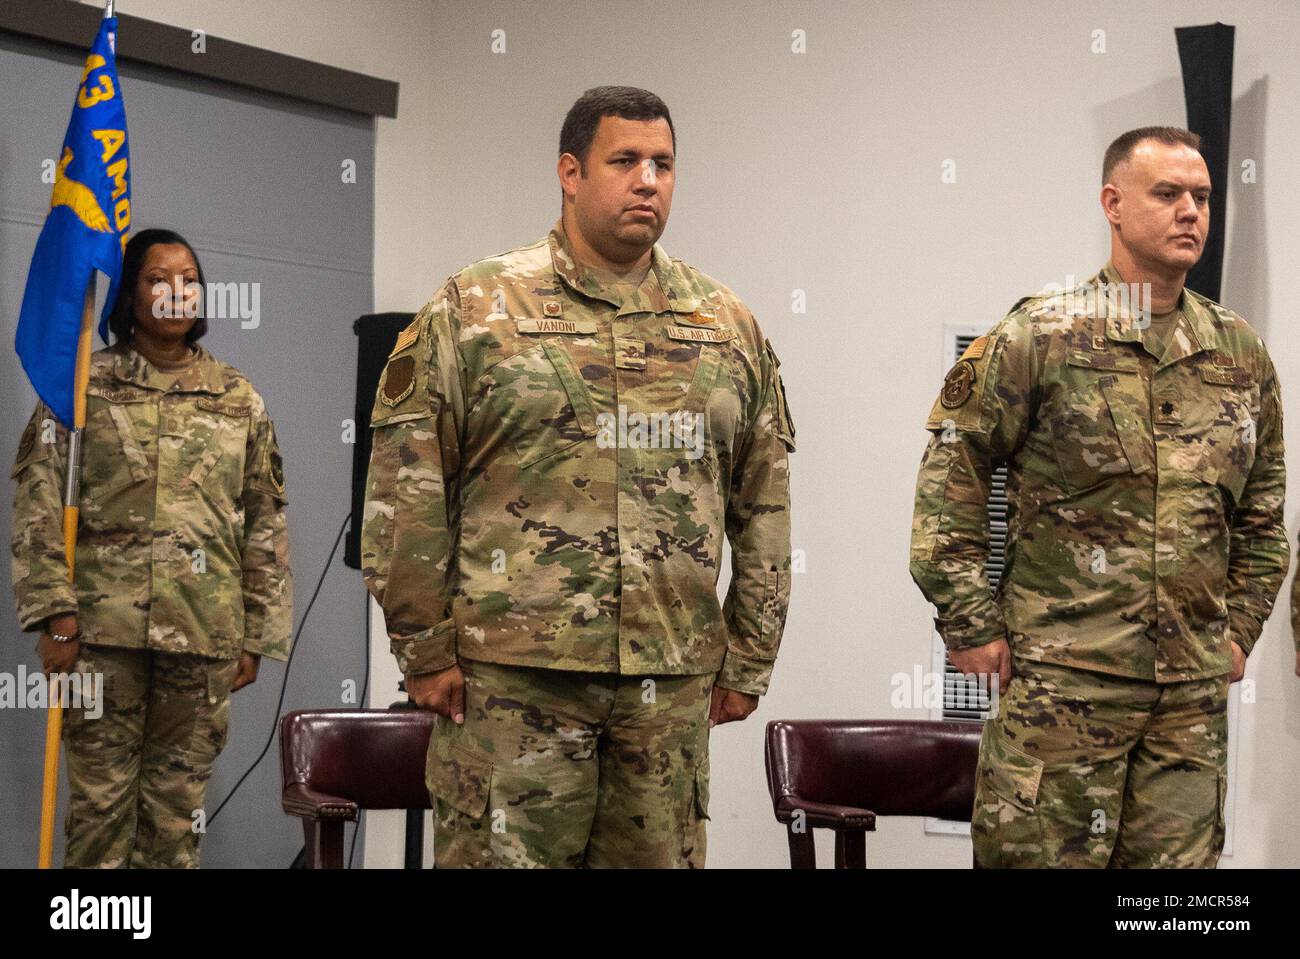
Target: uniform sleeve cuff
(268,632)
(1243,628)
(33,619)
(744,675)
(273,649)
(428,651)
(965,636)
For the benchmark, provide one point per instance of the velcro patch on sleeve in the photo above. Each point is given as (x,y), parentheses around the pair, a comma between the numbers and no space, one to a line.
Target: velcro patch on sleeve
(405,339)
(957,385)
(976,348)
(399,380)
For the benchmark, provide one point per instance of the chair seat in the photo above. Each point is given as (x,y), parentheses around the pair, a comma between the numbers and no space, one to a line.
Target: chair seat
(843,774)
(336,762)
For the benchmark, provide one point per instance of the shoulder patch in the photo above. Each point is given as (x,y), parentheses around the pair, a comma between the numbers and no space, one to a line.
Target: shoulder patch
(277,471)
(399,380)
(957,385)
(785,430)
(32,448)
(28,442)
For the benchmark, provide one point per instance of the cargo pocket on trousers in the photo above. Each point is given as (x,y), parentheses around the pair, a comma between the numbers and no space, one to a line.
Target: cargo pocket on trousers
(212,722)
(1005,826)
(1220,820)
(461,780)
(702,791)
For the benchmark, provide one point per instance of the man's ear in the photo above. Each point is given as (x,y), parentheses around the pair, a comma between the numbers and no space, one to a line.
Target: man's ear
(1110,202)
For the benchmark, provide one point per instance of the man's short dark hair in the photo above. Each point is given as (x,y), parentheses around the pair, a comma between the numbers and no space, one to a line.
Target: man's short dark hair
(630,103)
(1122,148)
(121,320)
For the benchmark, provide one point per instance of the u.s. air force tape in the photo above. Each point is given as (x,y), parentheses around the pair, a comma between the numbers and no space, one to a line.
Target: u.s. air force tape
(701,334)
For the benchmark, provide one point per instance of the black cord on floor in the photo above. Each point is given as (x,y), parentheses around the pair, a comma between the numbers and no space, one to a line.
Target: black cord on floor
(365,689)
(284,683)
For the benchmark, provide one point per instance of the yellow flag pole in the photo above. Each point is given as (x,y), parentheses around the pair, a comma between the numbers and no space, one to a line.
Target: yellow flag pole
(71,501)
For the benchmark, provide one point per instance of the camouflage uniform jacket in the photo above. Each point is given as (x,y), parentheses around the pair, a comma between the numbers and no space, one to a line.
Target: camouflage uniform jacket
(514,515)
(1145,528)
(182,544)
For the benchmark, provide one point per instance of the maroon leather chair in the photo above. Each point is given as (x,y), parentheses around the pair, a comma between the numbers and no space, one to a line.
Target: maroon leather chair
(841,774)
(335,762)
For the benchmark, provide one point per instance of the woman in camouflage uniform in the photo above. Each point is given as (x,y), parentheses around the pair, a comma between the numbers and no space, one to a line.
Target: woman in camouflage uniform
(182,566)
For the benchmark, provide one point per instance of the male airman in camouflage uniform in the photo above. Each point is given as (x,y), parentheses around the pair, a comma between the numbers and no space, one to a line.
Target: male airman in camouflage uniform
(1146,544)
(559,446)
(182,564)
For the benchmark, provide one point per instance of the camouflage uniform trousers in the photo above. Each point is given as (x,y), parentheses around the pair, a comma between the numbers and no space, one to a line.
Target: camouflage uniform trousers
(1081,769)
(554,768)
(137,773)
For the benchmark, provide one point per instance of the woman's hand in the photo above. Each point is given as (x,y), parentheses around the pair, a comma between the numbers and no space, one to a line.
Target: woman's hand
(247,672)
(59,657)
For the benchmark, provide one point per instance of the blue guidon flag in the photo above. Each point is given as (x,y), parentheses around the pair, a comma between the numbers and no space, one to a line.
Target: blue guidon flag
(85,230)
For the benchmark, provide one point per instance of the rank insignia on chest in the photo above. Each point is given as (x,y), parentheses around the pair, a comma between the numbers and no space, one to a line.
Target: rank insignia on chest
(957,384)
(551,308)
(629,353)
(399,380)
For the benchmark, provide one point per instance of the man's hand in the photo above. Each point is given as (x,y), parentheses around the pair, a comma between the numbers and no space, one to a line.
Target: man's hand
(727,705)
(247,671)
(59,657)
(1238,665)
(443,692)
(991,658)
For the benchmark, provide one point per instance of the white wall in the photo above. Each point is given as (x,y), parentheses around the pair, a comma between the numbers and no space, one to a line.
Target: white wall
(821,172)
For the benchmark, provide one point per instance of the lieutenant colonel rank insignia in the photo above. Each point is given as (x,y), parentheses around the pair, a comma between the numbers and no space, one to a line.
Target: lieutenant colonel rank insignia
(957,384)
(399,380)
